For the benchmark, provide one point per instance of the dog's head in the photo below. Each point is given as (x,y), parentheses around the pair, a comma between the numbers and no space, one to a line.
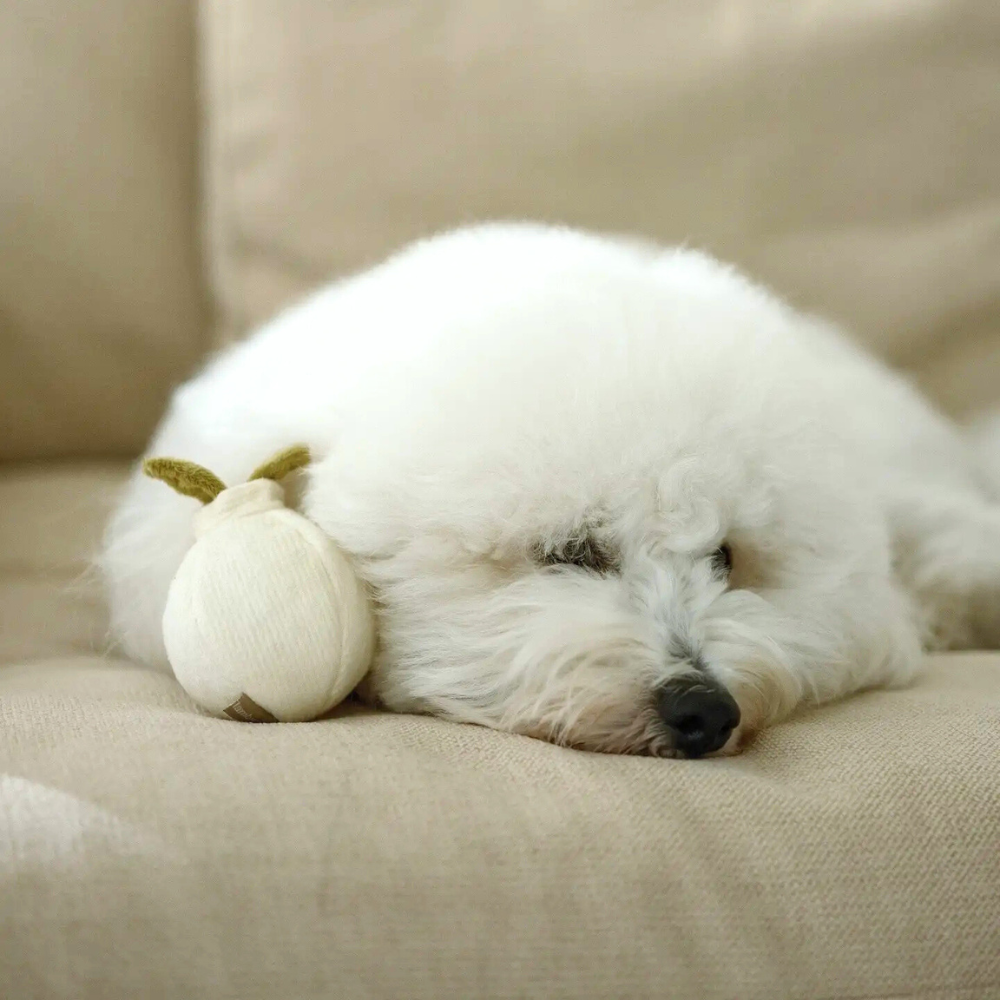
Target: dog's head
(610,511)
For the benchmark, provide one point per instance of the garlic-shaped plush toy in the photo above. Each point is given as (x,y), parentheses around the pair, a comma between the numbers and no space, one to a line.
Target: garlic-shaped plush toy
(266,620)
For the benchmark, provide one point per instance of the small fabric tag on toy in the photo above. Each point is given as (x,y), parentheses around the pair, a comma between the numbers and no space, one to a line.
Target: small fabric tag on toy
(245,709)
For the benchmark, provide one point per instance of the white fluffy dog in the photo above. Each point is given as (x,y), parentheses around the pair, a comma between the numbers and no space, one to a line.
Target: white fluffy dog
(614,496)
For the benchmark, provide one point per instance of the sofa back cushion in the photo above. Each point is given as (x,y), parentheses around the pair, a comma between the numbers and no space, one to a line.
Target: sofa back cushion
(843,152)
(101,296)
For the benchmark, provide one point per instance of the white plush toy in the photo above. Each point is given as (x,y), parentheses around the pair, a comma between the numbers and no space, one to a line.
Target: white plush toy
(266,620)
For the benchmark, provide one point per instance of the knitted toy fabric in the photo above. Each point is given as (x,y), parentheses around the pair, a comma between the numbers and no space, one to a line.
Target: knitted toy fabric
(266,620)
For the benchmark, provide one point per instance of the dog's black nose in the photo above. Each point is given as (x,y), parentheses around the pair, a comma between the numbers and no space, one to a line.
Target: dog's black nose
(699,713)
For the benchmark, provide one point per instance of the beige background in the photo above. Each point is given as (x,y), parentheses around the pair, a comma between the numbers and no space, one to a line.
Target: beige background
(844,152)
(102,304)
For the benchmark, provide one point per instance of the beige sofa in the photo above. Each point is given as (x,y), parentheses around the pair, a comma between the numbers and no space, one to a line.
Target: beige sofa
(171,175)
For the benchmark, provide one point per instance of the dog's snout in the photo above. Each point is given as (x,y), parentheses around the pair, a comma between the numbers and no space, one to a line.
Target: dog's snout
(699,713)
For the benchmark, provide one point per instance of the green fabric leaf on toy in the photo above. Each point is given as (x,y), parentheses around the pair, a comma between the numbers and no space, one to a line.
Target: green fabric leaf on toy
(284,462)
(187,478)
(193,480)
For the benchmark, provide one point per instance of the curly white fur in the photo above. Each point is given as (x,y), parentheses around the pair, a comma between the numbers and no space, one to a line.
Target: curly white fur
(489,397)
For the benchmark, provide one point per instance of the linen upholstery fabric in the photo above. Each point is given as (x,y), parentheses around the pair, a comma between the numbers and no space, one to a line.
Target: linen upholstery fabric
(844,152)
(101,299)
(51,518)
(147,850)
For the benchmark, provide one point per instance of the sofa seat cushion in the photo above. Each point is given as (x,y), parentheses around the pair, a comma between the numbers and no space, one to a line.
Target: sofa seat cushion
(51,519)
(147,850)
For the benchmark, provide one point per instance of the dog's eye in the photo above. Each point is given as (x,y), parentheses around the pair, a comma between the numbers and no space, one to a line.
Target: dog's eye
(585,552)
(722,561)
